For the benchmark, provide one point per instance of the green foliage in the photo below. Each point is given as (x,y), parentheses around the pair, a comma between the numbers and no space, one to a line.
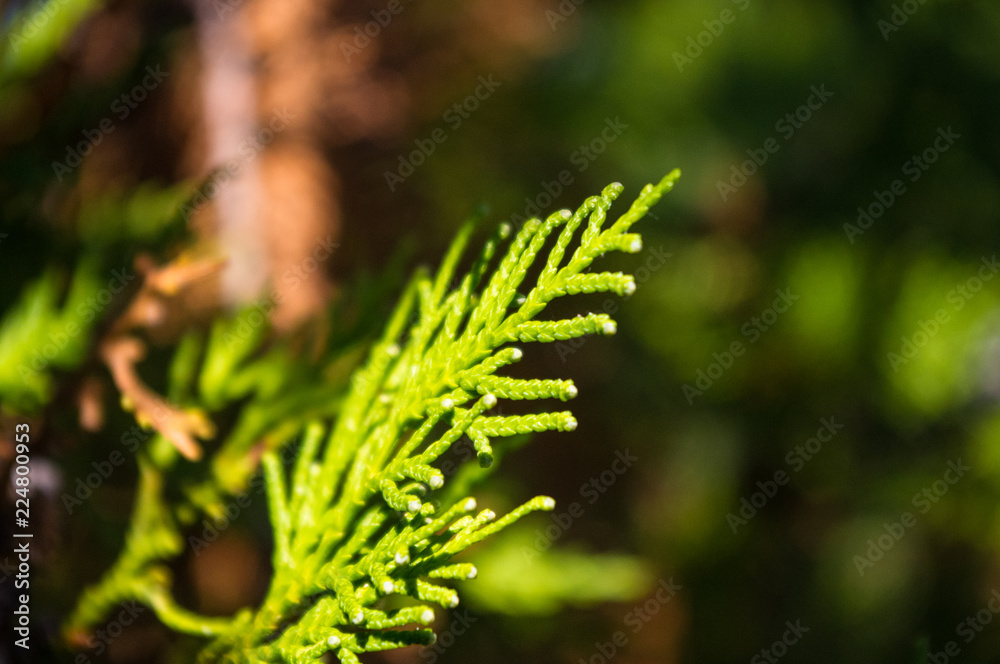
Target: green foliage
(231,366)
(861,296)
(516,579)
(146,214)
(43,332)
(362,540)
(37,32)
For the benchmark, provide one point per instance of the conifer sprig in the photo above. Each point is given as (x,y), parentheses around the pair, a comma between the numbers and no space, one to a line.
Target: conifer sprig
(356,519)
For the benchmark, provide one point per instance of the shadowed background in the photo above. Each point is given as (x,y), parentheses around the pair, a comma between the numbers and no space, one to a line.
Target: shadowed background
(797,421)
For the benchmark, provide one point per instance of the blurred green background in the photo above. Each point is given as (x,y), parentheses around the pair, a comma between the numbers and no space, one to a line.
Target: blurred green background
(768,307)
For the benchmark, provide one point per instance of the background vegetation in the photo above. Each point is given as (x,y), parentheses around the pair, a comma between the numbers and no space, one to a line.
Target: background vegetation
(890,328)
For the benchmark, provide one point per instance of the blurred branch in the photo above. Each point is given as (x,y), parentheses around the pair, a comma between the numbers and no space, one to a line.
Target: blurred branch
(229,111)
(121,352)
(179,427)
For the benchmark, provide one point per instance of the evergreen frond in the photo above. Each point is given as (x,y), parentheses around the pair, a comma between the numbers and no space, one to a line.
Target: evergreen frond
(358,515)
(357,520)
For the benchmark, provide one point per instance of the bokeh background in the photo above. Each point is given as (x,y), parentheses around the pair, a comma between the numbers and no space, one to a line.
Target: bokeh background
(825,269)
